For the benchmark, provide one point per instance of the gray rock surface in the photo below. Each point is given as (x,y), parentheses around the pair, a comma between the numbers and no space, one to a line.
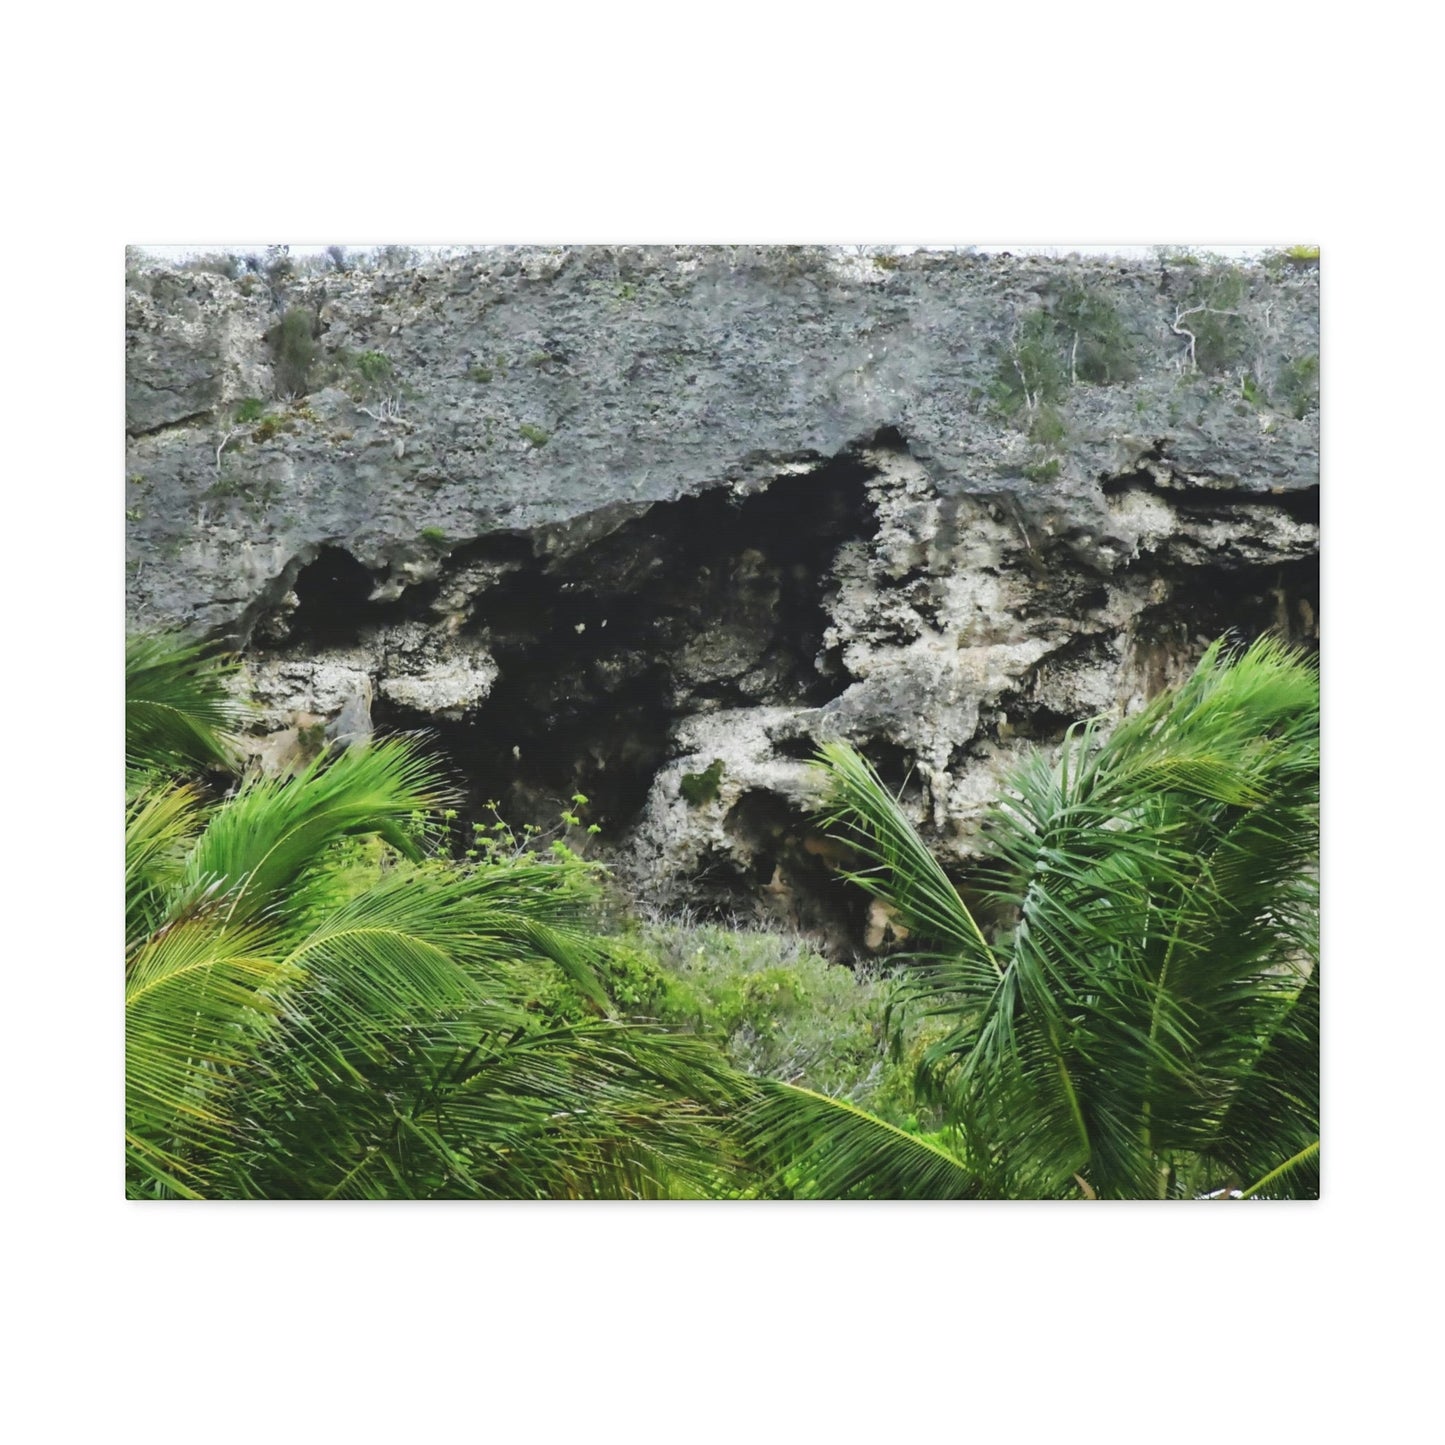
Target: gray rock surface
(604,515)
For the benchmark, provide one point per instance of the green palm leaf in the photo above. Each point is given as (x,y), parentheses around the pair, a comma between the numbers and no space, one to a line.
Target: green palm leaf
(825,1148)
(1159,887)
(179,714)
(273,836)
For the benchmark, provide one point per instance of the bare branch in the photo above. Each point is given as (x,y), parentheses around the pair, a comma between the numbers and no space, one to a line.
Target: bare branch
(230,432)
(1179,315)
(387,409)
(1023,380)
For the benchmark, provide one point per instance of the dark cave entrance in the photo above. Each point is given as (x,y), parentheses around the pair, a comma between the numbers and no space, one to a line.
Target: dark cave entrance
(332,592)
(706,602)
(1246,602)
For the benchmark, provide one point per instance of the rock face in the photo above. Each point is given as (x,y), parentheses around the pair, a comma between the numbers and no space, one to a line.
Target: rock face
(605,518)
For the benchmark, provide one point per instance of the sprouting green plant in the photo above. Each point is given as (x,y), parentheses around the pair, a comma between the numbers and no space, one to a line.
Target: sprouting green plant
(1251,391)
(702,788)
(533,434)
(482,374)
(434,536)
(1299,386)
(1045,471)
(270,427)
(249,409)
(373,367)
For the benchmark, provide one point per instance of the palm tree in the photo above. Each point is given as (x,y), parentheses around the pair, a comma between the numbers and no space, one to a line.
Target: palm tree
(303,1020)
(1140,1017)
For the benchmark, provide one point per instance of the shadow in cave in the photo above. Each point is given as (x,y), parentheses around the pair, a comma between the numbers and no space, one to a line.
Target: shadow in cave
(706,602)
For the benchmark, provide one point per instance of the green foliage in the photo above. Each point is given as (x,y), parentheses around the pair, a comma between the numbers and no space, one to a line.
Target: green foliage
(1043,471)
(372,367)
(1047,427)
(311,738)
(701,788)
(1098,347)
(321,1003)
(1294,258)
(180,716)
(533,434)
(315,1008)
(1298,386)
(821,1147)
(295,350)
(434,537)
(1145,1022)
(1221,333)
(249,409)
(272,427)
(1031,370)
(1077,337)
(779,1009)
(481,374)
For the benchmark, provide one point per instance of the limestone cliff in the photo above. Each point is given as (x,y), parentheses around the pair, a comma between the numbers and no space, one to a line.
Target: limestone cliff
(603,517)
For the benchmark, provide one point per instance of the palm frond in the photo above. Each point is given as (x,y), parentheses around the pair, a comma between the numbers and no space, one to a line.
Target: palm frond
(1157,881)
(1297,1177)
(161,824)
(275,832)
(200,1001)
(179,714)
(820,1147)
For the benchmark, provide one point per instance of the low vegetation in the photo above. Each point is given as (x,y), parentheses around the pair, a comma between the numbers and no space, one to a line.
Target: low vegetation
(295,349)
(328,996)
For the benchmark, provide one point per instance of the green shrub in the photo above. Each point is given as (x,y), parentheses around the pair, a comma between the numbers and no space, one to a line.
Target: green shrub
(1221,334)
(272,426)
(482,374)
(533,434)
(1299,386)
(702,788)
(1098,347)
(372,367)
(296,350)
(434,536)
(1031,370)
(249,409)
(780,1010)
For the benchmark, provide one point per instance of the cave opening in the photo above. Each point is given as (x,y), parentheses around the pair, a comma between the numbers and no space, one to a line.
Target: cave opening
(331,591)
(709,601)
(1282,600)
